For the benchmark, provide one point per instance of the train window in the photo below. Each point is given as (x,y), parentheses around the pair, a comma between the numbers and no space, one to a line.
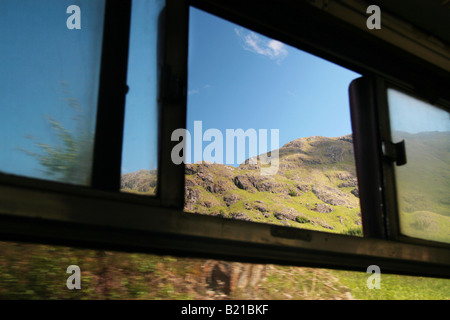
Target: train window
(140,147)
(422,181)
(117,94)
(49,79)
(249,95)
(402,151)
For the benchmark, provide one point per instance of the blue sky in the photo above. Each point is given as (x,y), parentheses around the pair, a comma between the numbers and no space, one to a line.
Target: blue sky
(412,115)
(140,129)
(42,65)
(237,79)
(241,79)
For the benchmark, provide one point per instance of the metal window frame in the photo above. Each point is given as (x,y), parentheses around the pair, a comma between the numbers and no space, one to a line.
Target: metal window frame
(111,97)
(375,167)
(49,212)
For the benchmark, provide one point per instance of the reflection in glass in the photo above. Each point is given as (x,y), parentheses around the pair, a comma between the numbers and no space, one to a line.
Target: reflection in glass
(423,187)
(139,155)
(48,88)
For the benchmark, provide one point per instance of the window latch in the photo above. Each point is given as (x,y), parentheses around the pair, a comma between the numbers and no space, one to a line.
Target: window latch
(395,152)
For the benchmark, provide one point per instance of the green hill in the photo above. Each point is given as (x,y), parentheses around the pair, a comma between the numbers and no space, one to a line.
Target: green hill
(424,185)
(315,187)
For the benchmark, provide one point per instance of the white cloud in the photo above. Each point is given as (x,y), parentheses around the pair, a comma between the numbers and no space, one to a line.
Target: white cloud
(195,91)
(270,48)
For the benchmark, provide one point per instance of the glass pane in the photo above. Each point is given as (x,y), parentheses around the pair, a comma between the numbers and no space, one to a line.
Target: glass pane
(423,188)
(33,271)
(247,95)
(140,144)
(49,71)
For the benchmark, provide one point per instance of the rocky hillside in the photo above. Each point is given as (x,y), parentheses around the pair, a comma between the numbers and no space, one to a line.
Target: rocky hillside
(315,187)
(142,181)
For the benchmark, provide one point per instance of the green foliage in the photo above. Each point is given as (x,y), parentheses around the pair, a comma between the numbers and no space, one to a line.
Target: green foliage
(70,159)
(357,232)
(302,219)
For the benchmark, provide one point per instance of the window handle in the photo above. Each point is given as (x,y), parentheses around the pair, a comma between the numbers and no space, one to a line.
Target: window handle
(395,152)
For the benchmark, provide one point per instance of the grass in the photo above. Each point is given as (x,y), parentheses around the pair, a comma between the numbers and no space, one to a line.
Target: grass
(423,183)
(426,225)
(341,219)
(291,283)
(394,287)
(31,271)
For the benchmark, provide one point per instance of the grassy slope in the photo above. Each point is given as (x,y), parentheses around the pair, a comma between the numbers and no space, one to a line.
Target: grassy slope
(307,164)
(424,186)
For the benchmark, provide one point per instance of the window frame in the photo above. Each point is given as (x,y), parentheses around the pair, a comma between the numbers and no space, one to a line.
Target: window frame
(111,100)
(102,217)
(391,202)
(375,164)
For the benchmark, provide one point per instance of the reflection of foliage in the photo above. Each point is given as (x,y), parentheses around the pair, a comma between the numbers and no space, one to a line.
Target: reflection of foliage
(70,159)
(33,271)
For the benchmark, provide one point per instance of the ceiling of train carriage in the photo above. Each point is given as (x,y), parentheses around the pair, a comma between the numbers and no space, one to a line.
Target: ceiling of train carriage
(431,16)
